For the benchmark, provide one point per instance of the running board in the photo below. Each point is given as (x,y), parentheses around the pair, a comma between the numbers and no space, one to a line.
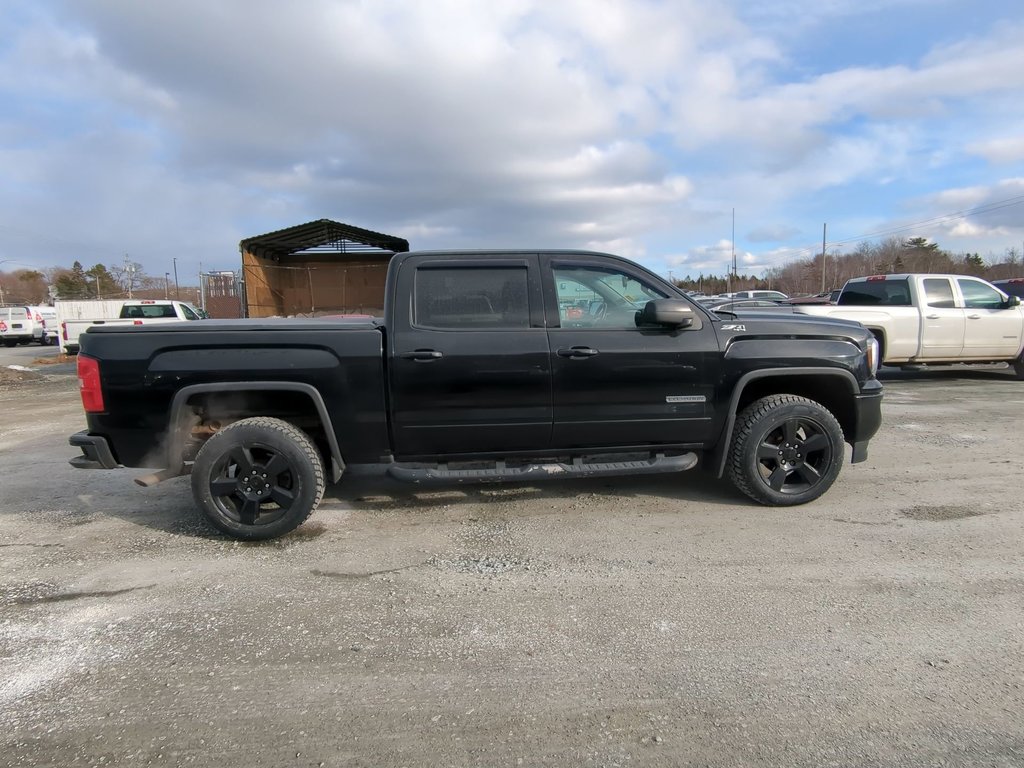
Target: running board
(498,470)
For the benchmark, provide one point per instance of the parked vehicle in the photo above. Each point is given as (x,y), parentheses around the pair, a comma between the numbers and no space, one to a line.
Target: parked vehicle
(17,326)
(827,297)
(46,326)
(760,294)
(729,305)
(924,319)
(478,372)
(137,312)
(1013,286)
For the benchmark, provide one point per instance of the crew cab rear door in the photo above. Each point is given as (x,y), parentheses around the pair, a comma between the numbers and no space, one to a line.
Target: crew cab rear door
(615,384)
(469,366)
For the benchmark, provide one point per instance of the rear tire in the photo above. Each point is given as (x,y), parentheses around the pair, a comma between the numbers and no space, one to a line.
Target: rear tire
(1018,367)
(786,450)
(10,342)
(258,478)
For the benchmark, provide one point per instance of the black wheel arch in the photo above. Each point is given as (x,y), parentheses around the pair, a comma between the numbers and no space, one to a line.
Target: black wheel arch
(180,419)
(833,388)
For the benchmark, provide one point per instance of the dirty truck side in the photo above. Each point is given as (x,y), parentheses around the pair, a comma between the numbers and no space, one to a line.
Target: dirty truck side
(486,366)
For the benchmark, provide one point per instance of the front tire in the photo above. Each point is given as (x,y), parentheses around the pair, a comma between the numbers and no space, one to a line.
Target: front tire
(786,450)
(258,478)
(1018,367)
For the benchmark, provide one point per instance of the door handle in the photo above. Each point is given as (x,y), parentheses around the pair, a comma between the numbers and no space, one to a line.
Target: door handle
(421,354)
(932,317)
(974,317)
(577,353)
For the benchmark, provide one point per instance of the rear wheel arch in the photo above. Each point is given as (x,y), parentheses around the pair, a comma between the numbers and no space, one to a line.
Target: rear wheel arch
(186,400)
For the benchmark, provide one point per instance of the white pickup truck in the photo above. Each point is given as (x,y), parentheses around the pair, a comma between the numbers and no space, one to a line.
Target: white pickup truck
(137,312)
(933,319)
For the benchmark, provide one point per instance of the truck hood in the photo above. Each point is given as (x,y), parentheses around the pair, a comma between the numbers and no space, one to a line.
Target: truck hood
(772,322)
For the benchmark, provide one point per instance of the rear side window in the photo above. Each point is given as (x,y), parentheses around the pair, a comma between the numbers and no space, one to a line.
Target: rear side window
(880,293)
(471,298)
(938,293)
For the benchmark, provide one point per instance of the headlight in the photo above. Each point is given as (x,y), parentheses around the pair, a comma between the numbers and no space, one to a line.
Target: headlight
(872,351)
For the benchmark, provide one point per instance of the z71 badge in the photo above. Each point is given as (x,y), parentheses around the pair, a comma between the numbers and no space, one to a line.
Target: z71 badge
(734,327)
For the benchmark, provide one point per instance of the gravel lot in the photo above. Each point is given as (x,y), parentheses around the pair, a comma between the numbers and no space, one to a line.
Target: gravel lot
(663,621)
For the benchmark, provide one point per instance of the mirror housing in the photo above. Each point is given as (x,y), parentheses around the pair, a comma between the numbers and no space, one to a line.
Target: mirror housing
(670,313)
(1012,301)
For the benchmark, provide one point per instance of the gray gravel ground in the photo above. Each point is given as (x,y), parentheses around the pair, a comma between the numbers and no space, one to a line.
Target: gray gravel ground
(660,621)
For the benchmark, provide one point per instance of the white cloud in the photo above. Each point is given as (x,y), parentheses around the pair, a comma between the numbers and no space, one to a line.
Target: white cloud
(616,124)
(1002,151)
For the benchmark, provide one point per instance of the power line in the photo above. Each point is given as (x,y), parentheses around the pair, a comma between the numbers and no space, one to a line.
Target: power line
(981,209)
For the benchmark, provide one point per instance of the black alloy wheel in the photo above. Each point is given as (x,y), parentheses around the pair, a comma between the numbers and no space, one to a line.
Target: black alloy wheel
(258,478)
(786,450)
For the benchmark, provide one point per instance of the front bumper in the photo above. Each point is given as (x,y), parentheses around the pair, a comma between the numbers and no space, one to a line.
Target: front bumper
(868,420)
(96,453)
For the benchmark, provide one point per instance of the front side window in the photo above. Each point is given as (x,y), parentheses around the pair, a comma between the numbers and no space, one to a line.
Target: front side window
(592,297)
(471,298)
(188,312)
(979,296)
(938,293)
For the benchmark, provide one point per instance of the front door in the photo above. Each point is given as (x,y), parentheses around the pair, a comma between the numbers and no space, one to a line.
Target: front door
(993,330)
(615,384)
(468,357)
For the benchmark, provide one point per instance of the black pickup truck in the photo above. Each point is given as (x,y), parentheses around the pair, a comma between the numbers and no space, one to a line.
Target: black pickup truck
(511,365)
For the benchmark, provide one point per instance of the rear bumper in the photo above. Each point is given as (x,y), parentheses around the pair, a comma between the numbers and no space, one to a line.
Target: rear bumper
(868,420)
(96,453)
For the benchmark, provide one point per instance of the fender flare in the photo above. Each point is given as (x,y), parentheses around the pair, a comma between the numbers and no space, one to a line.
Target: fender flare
(721,452)
(178,420)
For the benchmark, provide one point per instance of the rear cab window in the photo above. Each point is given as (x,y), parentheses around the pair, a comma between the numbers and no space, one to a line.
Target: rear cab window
(882,292)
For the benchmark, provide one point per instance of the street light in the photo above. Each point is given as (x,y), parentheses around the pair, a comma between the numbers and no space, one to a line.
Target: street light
(167,285)
(177,290)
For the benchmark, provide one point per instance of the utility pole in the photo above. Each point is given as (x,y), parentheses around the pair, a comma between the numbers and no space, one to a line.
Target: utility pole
(202,289)
(167,285)
(128,275)
(734,272)
(824,229)
(177,289)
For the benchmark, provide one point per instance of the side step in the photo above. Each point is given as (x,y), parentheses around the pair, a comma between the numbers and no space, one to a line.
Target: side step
(499,471)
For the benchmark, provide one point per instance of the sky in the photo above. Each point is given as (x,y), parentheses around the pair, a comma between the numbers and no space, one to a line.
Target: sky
(653,129)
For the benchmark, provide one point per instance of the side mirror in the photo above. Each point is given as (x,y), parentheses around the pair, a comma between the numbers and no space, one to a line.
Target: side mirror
(671,313)
(1012,301)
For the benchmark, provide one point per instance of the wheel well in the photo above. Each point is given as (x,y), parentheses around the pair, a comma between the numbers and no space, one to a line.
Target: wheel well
(879,335)
(833,392)
(212,411)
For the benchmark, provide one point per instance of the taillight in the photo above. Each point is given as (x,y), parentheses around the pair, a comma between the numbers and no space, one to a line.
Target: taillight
(64,331)
(3,327)
(136,322)
(89,382)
